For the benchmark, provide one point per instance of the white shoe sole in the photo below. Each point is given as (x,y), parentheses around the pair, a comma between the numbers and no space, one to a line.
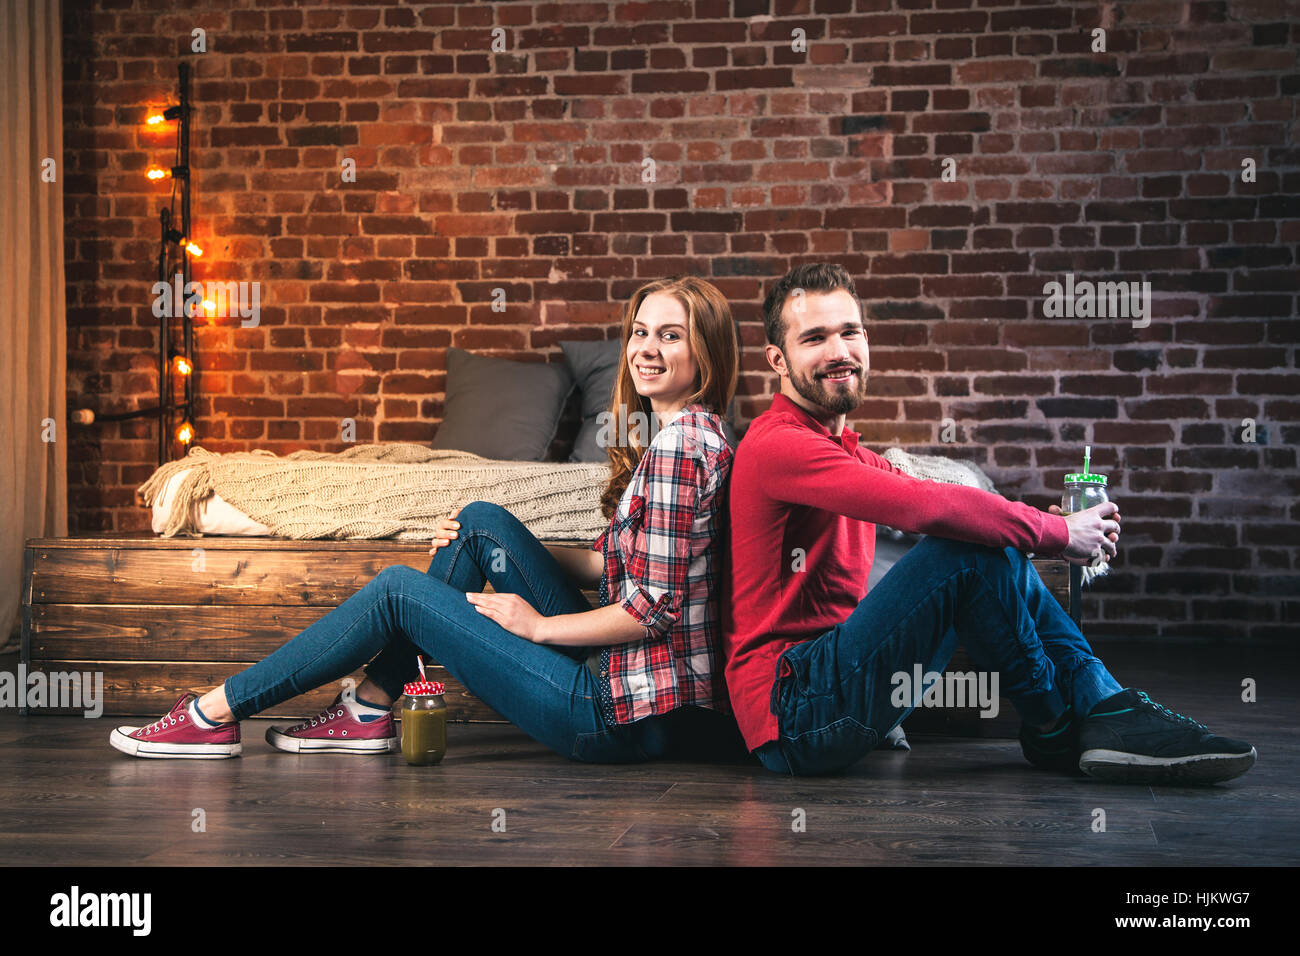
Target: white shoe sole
(122,740)
(1122,767)
(300,745)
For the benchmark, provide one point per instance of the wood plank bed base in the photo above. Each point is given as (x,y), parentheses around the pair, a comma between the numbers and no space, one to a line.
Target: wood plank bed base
(158,616)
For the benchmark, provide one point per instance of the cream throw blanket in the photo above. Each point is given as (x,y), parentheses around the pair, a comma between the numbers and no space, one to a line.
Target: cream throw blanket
(397,490)
(402,490)
(934,468)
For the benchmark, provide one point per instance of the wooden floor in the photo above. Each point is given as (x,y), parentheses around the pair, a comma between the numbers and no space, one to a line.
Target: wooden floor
(67,798)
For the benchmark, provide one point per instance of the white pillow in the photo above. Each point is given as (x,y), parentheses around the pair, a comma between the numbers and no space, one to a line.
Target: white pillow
(215,515)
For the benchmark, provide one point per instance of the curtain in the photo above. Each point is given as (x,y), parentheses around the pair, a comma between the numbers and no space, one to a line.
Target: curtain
(33,374)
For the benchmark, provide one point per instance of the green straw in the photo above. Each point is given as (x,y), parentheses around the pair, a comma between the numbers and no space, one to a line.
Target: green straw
(1087,453)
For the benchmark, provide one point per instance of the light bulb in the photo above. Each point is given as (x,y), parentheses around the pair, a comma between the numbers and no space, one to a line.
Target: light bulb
(156,173)
(185,433)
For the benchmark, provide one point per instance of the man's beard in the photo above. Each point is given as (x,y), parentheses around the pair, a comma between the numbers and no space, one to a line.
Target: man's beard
(838,399)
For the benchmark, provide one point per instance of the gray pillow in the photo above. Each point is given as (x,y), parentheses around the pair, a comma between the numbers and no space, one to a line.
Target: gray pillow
(502,409)
(595,366)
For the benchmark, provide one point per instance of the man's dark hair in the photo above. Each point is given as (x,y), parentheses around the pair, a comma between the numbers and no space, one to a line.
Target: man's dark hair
(812,278)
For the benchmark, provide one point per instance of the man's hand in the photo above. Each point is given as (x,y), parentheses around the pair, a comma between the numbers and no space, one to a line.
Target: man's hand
(1092,531)
(510,611)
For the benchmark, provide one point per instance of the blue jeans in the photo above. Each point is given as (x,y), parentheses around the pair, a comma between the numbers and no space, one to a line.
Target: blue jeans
(547,691)
(832,694)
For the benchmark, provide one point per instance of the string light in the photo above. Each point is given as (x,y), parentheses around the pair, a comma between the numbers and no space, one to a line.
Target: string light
(179,172)
(170,113)
(178,363)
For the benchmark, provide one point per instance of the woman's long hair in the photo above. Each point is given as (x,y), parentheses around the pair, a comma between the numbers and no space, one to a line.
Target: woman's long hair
(712,337)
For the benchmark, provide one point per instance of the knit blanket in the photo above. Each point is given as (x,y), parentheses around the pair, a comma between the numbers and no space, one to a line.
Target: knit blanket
(402,490)
(394,490)
(935,468)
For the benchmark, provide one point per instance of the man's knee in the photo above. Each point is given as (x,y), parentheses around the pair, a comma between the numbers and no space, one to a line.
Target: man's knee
(950,547)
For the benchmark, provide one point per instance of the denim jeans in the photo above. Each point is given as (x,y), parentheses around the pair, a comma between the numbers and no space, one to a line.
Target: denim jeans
(832,694)
(546,691)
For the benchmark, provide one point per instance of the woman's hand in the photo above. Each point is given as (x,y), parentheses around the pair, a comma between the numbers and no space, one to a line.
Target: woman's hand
(1092,531)
(442,536)
(510,611)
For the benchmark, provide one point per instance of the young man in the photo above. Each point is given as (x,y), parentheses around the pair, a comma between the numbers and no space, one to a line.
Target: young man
(811,661)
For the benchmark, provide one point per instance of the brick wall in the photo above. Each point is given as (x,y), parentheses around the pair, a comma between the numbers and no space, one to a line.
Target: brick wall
(525,170)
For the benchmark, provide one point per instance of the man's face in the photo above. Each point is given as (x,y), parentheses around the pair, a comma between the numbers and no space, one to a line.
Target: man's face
(825,352)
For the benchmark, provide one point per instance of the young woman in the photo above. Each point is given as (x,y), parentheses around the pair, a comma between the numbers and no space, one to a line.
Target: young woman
(637,678)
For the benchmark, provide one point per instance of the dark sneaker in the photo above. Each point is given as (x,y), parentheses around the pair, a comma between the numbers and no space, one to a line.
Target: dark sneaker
(175,734)
(1053,749)
(1129,738)
(337,730)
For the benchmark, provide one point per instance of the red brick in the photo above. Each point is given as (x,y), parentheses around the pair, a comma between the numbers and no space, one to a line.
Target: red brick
(972,359)
(683,81)
(1167,408)
(1014,384)
(750,79)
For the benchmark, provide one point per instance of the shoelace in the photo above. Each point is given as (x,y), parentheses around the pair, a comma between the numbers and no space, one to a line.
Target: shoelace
(323,717)
(1171,714)
(166,720)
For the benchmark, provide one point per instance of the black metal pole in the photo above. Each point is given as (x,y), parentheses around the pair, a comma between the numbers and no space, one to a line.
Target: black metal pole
(164,362)
(187,321)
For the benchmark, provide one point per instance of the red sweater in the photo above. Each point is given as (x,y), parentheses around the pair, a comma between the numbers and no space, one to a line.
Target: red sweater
(794,485)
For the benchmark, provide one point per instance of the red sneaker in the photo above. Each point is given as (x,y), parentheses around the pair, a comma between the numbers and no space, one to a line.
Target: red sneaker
(175,734)
(336,730)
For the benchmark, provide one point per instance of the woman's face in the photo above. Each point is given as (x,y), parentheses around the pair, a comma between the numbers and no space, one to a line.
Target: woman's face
(659,352)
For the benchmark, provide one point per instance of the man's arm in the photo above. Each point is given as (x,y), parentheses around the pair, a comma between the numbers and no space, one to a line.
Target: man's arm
(803,468)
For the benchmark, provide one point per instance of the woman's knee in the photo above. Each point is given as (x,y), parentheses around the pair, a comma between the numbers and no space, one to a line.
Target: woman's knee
(395,577)
(478,514)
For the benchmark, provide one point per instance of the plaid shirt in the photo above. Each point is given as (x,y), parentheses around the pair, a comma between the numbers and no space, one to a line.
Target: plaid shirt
(662,554)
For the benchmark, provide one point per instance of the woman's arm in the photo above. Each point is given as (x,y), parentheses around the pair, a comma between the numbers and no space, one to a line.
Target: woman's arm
(610,624)
(655,568)
(583,565)
(606,625)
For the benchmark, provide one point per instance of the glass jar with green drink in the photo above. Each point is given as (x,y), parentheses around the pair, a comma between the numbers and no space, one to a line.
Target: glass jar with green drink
(424,723)
(1084,490)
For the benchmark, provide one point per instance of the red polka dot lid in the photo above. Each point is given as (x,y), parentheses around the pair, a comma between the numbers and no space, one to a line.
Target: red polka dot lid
(423,688)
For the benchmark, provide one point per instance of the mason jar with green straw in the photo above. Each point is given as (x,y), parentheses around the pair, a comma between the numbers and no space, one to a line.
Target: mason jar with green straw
(1084,490)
